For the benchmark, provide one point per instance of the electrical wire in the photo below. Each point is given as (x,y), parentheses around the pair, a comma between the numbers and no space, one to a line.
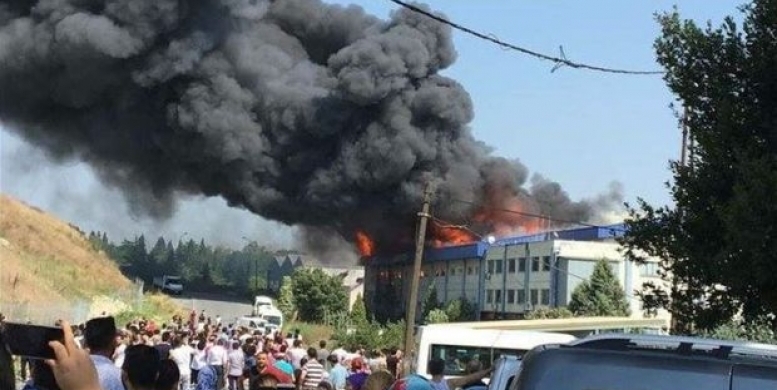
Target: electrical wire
(539,216)
(558,61)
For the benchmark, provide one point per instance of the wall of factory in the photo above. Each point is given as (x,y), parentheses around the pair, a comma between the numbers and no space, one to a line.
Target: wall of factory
(509,279)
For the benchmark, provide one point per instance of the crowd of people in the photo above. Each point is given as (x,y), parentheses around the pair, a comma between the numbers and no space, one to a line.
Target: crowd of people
(203,354)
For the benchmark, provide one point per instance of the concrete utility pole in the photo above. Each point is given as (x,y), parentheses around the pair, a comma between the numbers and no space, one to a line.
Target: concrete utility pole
(416,272)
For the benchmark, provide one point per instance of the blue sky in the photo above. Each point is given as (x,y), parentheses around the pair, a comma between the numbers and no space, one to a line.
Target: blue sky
(583,129)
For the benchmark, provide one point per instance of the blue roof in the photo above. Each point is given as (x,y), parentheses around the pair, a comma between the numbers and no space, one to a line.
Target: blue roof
(592,233)
(479,249)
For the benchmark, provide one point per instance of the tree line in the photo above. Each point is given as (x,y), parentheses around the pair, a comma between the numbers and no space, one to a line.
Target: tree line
(202,267)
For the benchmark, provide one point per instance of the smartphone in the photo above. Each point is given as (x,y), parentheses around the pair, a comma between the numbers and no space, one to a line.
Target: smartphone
(31,341)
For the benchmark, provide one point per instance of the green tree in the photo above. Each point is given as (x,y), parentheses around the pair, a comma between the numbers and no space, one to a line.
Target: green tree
(717,241)
(759,330)
(286,298)
(601,295)
(436,316)
(431,301)
(546,313)
(316,294)
(358,313)
(460,310)
(158,256)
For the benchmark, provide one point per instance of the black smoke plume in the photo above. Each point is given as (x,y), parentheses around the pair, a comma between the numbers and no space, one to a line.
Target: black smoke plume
(306,113)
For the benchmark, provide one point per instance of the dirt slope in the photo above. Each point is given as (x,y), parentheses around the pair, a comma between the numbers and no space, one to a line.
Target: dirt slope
(49,269)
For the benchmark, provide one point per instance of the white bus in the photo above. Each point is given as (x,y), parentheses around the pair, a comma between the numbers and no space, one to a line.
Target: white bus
(458,345)
(578,326)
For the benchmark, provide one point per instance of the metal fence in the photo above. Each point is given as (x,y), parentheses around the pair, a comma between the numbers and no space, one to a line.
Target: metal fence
(77,311)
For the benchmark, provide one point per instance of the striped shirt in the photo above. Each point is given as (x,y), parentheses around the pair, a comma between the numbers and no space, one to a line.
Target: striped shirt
(314,374)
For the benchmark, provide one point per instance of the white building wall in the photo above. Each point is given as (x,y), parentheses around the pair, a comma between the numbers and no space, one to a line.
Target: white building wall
(575,261)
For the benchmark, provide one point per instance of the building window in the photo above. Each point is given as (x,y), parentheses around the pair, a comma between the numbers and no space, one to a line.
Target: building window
(511,293)
(469,270)
(453,271)
(546,263)
(648,269)
(490,265)
(498,266)
(545,296)
(520,297)
(534,296)
(521,264)
(497,296)
(489,296)
(511,265)
(535,264)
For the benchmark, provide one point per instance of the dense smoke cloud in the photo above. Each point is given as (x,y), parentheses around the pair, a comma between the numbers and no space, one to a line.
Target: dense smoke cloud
(305,113)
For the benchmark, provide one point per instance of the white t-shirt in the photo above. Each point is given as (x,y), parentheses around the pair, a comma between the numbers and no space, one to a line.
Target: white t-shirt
(217,356)
(118,355)
(236,362)
(198,361)
(295,357)
(182,356)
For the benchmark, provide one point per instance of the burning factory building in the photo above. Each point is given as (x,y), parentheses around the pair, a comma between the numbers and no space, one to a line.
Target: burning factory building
(507,277)
(315,115)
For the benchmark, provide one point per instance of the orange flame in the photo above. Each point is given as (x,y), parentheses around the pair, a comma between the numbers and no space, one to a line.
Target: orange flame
(506,223)
(364,244)
(451,235)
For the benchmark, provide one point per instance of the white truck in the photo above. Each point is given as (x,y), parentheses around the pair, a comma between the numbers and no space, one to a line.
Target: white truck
(169,284)
(265,309)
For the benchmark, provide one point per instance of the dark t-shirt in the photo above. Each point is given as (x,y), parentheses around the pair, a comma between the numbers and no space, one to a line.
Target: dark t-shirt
(164,350)
(357,380)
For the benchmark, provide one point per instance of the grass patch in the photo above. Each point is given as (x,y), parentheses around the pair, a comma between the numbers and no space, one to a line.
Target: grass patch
(157,307)
(47,261)
(311,333)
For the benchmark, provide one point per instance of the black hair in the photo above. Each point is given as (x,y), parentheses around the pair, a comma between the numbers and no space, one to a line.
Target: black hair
(42,376)
(7,379)
(100,333)
(142,364)
(169,375)
(312,353)
(322,344)
(436,367)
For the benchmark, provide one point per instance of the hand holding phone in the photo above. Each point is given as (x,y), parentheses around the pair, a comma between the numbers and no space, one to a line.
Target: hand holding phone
(72,366)
(31,341)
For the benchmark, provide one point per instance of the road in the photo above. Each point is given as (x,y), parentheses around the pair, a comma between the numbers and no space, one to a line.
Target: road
(229,308)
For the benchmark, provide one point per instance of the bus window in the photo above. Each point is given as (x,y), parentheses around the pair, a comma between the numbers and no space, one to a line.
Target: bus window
(456,357)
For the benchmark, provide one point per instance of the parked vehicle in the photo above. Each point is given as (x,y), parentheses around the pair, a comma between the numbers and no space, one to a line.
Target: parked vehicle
(505,370)
(457,345)
(627,362)
(265,309)
(253,323)
(169,284)
(261,302)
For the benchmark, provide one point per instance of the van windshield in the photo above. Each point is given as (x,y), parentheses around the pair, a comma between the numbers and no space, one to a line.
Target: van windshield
(456,357)
(274,320)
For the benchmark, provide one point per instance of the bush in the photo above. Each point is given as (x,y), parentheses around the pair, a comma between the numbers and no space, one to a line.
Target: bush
(436,316)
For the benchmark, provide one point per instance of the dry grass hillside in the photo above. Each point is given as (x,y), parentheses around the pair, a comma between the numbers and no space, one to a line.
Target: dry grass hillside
(49,267)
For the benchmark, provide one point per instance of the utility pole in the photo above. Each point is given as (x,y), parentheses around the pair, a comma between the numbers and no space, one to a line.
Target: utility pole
(414,277)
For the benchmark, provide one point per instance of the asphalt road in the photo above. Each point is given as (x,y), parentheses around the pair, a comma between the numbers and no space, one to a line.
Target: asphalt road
(229,308)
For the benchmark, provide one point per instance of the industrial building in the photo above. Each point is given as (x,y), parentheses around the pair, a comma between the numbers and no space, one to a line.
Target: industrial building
(508,277)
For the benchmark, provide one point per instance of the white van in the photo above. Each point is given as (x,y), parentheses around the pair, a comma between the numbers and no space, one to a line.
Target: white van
(253,323)
(458,345)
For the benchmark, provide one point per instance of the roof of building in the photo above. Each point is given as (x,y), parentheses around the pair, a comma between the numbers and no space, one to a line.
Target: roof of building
(479,249)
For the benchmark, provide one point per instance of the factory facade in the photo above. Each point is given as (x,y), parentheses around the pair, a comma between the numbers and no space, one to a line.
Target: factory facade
(509,277)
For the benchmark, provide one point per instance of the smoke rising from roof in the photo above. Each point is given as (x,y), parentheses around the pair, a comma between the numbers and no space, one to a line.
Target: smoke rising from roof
(305,113)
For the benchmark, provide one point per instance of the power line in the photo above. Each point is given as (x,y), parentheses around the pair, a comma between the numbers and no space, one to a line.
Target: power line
(538,216)
(559,61)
